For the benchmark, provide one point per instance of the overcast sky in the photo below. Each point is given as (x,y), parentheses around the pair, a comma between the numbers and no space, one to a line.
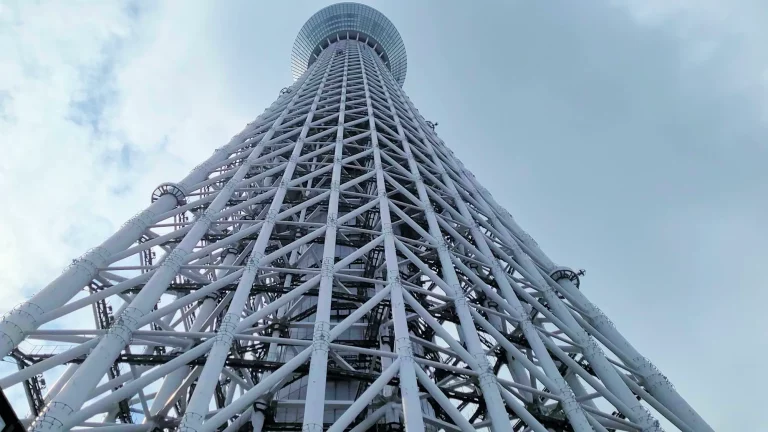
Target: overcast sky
(627,137)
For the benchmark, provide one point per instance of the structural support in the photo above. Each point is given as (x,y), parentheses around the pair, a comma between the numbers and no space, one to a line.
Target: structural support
(333,267)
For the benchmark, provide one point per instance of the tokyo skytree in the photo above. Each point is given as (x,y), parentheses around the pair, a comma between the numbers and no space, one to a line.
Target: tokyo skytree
(332,267)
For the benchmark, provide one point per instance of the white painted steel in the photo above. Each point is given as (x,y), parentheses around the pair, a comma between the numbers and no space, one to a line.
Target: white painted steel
(315,399)
(333,248)
(408,386)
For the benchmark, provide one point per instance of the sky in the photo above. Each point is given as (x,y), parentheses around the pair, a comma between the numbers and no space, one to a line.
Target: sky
(627,137)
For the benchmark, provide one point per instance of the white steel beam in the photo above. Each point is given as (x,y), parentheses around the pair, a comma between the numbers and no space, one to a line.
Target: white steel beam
(337,226)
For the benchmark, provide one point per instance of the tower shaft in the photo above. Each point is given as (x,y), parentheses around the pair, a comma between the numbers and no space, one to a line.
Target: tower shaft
(333,267)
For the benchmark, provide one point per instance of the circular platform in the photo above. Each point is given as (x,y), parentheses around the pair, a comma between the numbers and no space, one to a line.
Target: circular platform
(349,21)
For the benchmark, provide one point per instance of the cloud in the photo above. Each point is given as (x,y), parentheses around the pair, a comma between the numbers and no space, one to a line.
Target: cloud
(96,110)
(51,72)
(99,103)
(627,139)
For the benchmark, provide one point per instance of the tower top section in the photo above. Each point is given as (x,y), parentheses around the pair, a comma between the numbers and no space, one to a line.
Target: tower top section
(349,21)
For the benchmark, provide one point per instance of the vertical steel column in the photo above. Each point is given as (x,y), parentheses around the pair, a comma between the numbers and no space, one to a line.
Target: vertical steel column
(258,415)
(408,209)
(607,373)
(172,382)
(486,379)
(75,393)
(23,318)
(315,399)
(238,405)
(409,389)
(197,407)
(572,408)
(593,352)
(656,383)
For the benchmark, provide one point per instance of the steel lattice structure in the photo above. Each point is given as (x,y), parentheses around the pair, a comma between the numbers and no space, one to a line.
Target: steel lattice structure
(334,266)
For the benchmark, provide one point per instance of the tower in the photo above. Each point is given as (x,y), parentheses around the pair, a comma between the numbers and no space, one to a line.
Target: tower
(332,267)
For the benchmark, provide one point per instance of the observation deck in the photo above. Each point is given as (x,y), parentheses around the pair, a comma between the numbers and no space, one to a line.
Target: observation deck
(349,21)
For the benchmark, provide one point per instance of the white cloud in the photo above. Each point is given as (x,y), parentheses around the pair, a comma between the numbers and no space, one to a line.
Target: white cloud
(49,167)
(99,103)
(166,101)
